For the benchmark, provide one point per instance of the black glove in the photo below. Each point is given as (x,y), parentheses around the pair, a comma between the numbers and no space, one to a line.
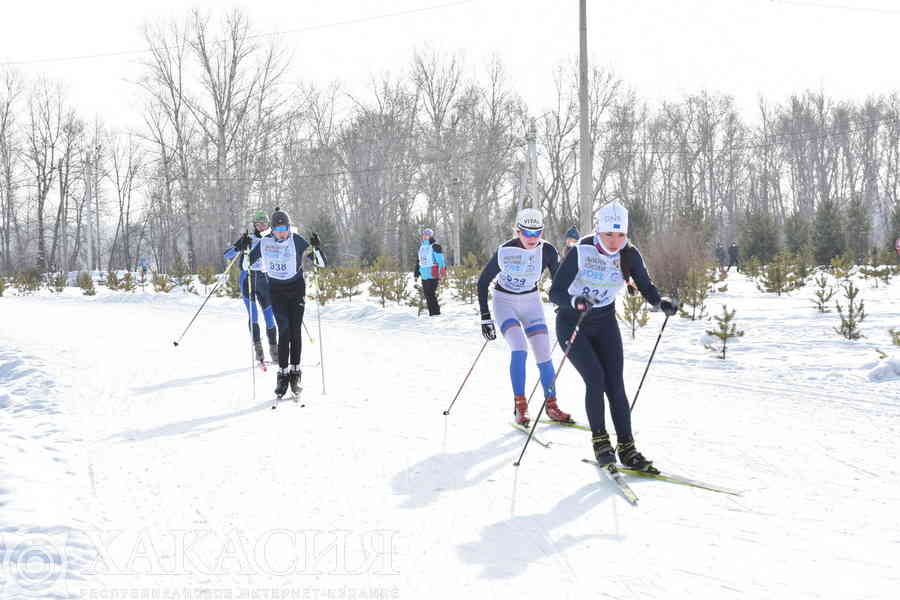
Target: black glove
(487,329)
(314,240)
(243,242)
(668,306)
(582,303)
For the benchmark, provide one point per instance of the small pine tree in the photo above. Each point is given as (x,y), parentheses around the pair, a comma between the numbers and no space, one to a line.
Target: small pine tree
(398,287)
(841,267)
(778,276)
(128,283)
(380,277)
(182,275)
(325,285)
(855,313)
(86,283)
(56,282)
(895,336)
(233,285)
(206,274)
(828,233)
(417,298)
(752,267)
(163,283)
(2,285)
(27,281)
(112,281)
(634,312)
(349,279)
(693,294)
(463,279)
(823,294)
(725,331)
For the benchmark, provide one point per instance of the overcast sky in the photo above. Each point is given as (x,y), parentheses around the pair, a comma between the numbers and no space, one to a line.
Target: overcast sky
(661,48)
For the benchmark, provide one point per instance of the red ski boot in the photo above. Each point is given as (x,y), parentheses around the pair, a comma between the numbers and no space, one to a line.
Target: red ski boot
(521,411)
(555,413)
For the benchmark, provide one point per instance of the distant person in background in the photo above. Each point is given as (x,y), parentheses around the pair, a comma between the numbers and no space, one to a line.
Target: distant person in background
(734,257)
(431,267)
(720,254)
(572,238)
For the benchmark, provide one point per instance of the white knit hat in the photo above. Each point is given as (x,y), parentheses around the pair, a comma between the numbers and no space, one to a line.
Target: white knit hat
(612,217)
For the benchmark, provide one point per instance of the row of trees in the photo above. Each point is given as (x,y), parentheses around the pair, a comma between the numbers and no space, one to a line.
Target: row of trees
(225,131)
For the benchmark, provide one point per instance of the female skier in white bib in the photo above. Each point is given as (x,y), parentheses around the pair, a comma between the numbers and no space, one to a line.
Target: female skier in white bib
(588,281)
(517,266)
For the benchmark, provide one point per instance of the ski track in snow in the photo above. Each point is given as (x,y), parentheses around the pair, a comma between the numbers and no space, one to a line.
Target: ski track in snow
(128,464)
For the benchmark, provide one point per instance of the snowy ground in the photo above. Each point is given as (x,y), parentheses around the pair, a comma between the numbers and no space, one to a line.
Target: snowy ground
(130,468)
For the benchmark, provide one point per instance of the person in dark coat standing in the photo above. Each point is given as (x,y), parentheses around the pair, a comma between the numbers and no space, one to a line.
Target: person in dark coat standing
(734,257)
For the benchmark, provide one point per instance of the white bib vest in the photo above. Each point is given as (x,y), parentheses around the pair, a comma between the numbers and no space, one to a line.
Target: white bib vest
(280,258)
(520,269)
(599,276)
(426,256)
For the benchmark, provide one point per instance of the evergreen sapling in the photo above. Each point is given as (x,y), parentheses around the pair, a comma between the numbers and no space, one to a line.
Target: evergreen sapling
(725,331)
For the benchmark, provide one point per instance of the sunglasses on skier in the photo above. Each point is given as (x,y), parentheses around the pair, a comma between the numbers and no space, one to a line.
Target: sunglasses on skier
(280,228)
(531,233)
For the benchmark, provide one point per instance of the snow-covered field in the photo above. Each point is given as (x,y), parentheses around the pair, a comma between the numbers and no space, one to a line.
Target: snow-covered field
(130,468)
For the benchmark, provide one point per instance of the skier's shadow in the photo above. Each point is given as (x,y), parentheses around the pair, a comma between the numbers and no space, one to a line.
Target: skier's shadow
(508,547)
(184,381)
(424,481)
(192,426)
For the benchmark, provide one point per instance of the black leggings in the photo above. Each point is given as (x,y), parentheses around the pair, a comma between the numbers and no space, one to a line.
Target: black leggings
(597,356)
(429,288)
(289,316)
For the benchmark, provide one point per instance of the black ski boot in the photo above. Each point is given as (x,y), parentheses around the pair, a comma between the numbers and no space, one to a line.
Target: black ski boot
(281,384)
(260,357)
(603,450)
(631,458)
(295,380)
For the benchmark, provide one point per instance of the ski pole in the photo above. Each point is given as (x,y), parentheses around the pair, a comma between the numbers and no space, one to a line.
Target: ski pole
(483,346)
(308,334)
(319,320)
(212,291)
(647,368)
(555,377)
(246,265)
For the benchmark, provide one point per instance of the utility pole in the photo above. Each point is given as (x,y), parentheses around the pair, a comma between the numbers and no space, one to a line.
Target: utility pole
(531,138)
(89,180)
(587,152)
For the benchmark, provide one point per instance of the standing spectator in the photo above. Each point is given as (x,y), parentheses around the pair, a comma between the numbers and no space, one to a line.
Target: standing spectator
(431,267)
(720,254)
(734,257)
(572,238)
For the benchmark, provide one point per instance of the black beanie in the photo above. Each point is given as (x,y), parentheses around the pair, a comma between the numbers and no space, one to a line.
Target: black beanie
(279,217)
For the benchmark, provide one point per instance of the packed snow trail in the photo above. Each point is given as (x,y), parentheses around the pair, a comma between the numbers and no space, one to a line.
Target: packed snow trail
(150,467)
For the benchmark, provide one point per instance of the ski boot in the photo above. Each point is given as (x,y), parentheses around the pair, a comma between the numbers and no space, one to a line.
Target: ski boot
(603,450)
(258,349)
(273,353)
(521,411)
(281,384)
(555,413)
(295,379)
(631,458)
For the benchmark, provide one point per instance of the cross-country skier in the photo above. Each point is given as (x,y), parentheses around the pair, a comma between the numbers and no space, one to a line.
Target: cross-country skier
(260,290)
(517,266)
(589,280)
(571,240)
(430,266)
(282,253)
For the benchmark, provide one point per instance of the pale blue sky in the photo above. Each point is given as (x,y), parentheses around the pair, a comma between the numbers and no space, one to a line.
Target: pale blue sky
(662,48)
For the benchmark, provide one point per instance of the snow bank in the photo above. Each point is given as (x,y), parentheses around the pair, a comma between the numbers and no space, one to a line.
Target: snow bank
(887,369)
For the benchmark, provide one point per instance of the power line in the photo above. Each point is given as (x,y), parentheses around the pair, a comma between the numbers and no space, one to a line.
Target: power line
(847,7)
(249,37)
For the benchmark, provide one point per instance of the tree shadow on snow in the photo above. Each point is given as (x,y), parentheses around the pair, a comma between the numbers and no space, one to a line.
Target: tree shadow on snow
(507,548)
(424,481)
(195,426)
(184,381)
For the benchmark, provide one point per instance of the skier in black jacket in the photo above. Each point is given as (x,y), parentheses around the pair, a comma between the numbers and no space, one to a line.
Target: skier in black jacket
(588,281)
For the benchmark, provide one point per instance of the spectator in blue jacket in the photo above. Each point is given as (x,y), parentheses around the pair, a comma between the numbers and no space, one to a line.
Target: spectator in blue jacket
(431,267)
